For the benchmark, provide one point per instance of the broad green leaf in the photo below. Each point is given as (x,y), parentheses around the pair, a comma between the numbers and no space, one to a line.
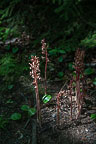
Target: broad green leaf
(88,71)
(25,107)
(53,51)
(46,98)
(60,74)
(15,50)
(93,116)
(60,59)
(62,51)
(31,111)
(15,116)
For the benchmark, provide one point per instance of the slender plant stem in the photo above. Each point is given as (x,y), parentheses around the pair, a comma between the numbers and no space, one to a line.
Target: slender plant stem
(58,108)
(58,103)
(71,97)
(46,71)
(38,104)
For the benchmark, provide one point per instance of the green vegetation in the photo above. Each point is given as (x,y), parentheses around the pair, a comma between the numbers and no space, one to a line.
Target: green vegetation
(45,34)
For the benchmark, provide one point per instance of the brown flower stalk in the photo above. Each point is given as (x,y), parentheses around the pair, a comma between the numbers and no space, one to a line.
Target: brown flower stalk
(58,106)
(44,52)
(71,81)
(35,74)
(79,67)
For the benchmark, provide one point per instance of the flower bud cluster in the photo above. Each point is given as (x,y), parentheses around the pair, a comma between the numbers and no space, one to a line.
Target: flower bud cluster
(44,49)
(34,67)
(44,46)
(61,92)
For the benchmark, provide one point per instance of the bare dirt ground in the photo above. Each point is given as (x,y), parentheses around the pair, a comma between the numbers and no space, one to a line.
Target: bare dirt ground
(76,131)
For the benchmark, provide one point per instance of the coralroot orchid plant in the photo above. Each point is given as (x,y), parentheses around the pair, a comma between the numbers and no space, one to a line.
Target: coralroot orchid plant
(35,74)
(79,88)
(79,67)
(79,82)
(61,92)
(71,81)
(45,53)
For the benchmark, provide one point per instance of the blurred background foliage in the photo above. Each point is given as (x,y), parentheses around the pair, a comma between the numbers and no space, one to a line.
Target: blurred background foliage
(65,24)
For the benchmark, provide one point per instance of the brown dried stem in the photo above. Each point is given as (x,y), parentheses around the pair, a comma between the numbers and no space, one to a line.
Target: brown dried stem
(79,67)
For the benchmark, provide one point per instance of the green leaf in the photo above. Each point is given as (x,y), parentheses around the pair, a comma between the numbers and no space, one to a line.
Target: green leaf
(68,49)
(31,111)
(60,74)
(10,86)
(62,51)
(94,81)
(9,101)
(46,98)
(15,50)
(93,116)
(15,116)
(7,47)
(70,65)
(53,51)
(60,59)
(25,107)
(3,122)
(59,9)
(88,71)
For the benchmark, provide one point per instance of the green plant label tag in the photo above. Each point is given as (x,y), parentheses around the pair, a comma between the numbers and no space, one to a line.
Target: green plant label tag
(46,98)
(93,116)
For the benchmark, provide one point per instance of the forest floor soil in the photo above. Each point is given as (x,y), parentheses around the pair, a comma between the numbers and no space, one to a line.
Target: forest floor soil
(75,131)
